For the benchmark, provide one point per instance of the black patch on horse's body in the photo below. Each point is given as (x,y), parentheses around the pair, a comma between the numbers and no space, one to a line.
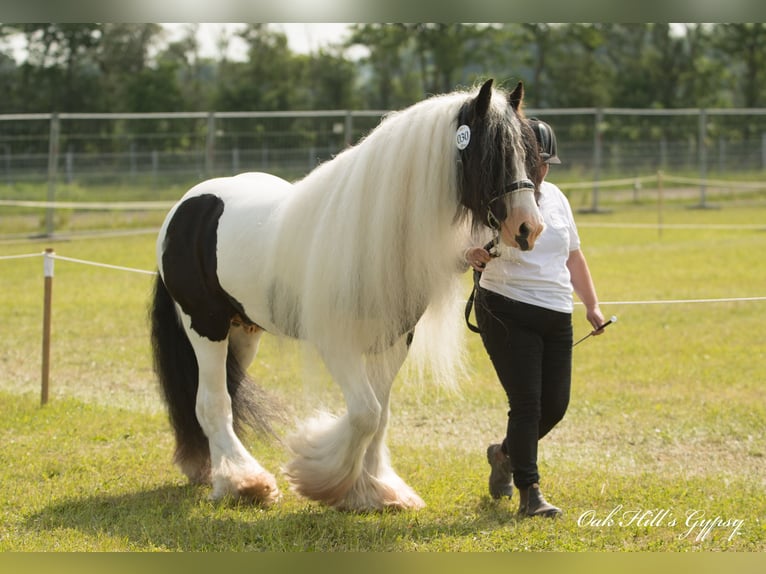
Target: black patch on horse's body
(189,264)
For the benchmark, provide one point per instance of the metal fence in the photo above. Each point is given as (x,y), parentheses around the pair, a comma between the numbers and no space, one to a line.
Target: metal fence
(148,151)
(601,143)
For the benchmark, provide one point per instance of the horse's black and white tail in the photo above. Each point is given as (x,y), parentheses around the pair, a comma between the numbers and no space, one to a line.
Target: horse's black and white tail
(176,368)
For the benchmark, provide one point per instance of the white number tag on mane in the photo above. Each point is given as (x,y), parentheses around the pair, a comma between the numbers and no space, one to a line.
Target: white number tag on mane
(463,137)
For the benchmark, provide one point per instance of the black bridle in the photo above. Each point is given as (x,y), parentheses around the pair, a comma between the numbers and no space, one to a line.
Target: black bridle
(512,187)
(492,246)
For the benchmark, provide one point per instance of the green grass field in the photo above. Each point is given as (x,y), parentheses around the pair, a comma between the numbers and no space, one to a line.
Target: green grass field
(663,447)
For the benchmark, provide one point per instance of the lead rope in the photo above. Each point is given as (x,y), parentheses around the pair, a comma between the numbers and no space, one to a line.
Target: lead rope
(491,248)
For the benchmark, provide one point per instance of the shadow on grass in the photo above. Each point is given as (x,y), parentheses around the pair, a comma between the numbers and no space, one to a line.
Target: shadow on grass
(180,518)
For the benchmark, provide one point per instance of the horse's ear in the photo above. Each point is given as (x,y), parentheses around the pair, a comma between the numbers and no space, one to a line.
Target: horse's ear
(516,96)
(483,99)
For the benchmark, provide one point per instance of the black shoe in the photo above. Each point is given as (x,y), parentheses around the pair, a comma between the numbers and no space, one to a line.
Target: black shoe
(532,503)
(501,476)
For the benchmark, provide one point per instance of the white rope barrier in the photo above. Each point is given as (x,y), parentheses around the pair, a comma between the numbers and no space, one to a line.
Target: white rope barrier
(710,226)
(28,255)
(680,301)
(631,181)
(52,255)
(608,182)
(104,265)
(751,185)
(97,205)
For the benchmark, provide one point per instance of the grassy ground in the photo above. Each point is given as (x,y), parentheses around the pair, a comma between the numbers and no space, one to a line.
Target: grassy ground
(662,448)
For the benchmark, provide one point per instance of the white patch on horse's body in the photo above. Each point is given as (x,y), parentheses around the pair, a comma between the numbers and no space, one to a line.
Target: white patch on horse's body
(351,258)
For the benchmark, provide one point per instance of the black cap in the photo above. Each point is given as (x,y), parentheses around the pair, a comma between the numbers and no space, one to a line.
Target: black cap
(546,139)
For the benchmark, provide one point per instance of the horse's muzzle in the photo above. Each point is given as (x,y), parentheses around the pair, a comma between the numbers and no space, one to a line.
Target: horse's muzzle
(522,239)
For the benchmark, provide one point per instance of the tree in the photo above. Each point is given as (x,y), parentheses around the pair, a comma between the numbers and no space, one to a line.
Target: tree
(124,53)
(389,74)
(576,74)
(743,47)
(58,73)
(196,75)
(407,62)
(536,40)
(705,81)
(10,84)
(328,80)
(268,81)
(154,89)
(446,52)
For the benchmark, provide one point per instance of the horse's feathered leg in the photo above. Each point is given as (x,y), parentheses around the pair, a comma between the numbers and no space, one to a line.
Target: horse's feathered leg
(379,486)
(234,471)
(329,451)
(344,461)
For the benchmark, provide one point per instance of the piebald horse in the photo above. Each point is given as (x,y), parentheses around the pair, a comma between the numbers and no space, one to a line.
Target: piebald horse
(357,258)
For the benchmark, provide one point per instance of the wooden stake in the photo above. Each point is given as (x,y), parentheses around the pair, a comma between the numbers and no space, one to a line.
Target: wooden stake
(660,203)
(47,299)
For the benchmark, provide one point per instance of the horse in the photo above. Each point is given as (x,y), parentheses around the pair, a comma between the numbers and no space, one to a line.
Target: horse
(357,258)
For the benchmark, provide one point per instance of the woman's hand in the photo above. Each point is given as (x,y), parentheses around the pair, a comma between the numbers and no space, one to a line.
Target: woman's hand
(477,257)
(595,318)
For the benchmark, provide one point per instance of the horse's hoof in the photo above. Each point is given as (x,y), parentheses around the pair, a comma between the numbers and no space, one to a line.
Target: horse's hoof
(410,502)
(260,489)
(400,496)
(387,499)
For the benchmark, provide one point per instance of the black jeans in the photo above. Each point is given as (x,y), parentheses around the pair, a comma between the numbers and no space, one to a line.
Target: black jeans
(531,350)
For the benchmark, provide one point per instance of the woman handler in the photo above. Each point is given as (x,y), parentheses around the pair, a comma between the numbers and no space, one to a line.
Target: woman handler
(524,310)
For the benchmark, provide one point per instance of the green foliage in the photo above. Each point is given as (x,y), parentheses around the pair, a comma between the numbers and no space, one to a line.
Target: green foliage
(127,67)
(666,416)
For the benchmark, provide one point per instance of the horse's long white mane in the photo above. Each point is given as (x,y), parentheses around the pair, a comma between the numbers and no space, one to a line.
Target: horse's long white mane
(377,230)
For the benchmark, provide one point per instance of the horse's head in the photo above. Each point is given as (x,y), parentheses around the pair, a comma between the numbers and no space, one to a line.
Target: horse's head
(498,159)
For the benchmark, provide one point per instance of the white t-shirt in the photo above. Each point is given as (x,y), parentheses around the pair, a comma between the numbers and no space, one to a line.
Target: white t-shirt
(540,276)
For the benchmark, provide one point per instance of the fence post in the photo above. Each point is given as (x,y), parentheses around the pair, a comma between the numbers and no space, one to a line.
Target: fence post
(210,145)
(155,165)
(69,161)
(660,203)
(763,151)
(702,137)
(7,155)
(133,160)
(597,140)
(597,130)
(349,128)
(47,299)
(53,162)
